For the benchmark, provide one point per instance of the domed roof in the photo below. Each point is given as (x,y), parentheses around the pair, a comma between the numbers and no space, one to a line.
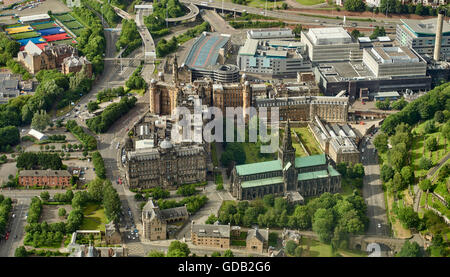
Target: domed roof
(153,81)
(166,144)
(246,83)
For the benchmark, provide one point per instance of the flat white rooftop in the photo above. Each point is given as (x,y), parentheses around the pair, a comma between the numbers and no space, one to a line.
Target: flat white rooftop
(327,36)
(34,17)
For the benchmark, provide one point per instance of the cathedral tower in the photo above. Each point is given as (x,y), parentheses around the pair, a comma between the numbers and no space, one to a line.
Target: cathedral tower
(175,70)
(287,152)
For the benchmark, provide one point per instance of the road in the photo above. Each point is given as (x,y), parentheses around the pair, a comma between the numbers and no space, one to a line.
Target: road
(217,22)
(373,192)
(285,15)
(17,224)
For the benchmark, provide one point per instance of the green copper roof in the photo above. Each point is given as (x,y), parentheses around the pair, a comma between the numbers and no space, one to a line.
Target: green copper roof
(262,182)
(312,175)
(255,168)
(310,161)
(318,174)
(332,171)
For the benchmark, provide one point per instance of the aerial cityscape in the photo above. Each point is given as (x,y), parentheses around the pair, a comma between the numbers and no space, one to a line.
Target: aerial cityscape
(224,128)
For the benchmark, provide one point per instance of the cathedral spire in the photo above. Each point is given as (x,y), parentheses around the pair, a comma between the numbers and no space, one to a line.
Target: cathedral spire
(175,69)
(287,141)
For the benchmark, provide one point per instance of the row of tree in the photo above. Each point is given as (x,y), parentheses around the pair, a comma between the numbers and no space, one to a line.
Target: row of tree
(39,160)
(106,10)
(102,122)
(392,6)
(129,37)
(109,94)
(89,142)
(5,209)
(136,81)
(91,41)
(99,165)
(331,216)
(193,203)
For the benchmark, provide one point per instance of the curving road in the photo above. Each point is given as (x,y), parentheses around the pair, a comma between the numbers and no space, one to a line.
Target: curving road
(193,12)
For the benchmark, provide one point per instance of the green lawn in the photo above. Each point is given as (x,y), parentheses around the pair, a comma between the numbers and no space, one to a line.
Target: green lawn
(94,217)
(308,140)
(316,248)
(310,2)
(254,155)
(417,150)
(44,25)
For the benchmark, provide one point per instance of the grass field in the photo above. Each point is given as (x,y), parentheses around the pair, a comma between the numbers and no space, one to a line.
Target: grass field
(310,2)
(65,41)
(44,26)
(73,25)
(308,140)
(94,217)
(253,153)
(24,35)
(64,17)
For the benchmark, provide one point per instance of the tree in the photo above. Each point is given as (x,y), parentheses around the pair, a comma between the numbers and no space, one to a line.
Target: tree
(228,253)
(21,252)
(155,254)
(211,219)
(398,182)
(290,247)
(425,184)
(383,105)
(297,30)
(439,117)
(40,120)
(355,5)
(178,249)
(430,127)
(410,249)
(45,195)
(425,163)
(408,217)
(216,254)
(95,190)
(386,173)
(378,32)
(407,175)
(323,223)
(419,9)
(356,33)
(62,212)
(431,144)
(399,104)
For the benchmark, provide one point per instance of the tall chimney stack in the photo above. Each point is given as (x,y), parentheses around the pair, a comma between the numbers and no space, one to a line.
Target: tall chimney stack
(438,41)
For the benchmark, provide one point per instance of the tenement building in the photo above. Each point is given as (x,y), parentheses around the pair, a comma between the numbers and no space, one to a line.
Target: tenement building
(166,166)
(308,176)
(50,178)
(208,235)
(305,108)
(155,220)
(273,58)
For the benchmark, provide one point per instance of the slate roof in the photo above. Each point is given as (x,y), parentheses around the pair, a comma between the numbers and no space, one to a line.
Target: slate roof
(208,230)
(261,235)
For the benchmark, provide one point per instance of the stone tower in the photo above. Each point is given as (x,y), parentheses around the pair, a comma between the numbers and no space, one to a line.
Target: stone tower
(287,152)
(155,98)
(287,156)
(175,70)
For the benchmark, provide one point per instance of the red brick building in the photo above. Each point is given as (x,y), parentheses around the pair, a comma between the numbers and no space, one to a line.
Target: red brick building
(51,178)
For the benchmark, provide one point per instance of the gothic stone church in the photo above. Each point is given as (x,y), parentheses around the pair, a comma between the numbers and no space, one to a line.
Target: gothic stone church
(309,176)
